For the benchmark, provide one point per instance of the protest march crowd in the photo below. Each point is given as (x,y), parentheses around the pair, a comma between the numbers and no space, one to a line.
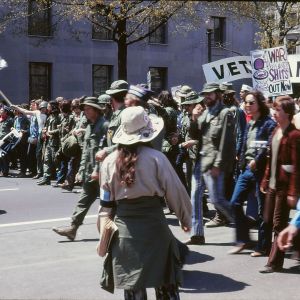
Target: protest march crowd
(141,154)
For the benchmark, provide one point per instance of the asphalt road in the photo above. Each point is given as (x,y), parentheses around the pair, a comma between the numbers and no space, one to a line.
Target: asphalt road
(35,263)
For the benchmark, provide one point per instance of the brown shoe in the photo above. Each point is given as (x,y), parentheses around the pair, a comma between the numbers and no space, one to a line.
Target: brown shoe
(69,232)
(195,240)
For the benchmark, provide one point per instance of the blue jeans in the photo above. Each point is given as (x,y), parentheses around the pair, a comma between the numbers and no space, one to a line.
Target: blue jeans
(248,181)
(215,186)
(197,190)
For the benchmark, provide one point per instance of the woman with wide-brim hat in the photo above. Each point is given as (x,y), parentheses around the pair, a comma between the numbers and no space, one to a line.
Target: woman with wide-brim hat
(135,179)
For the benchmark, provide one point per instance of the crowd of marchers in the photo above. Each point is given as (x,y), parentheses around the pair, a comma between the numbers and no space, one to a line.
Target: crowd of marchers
(141,152)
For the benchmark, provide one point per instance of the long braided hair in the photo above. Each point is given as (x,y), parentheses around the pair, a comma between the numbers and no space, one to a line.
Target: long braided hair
(126,161)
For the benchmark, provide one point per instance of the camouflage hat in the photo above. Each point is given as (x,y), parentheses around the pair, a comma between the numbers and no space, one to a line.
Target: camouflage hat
(210,87)
(117,87)
(183,91)
(104,99)
(192,98)
(91,101)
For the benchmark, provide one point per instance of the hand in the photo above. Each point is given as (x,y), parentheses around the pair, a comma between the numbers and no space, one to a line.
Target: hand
(263,190)
(95,176)
(100,155)
(252,165)
(185,229)
(78,177)
(215,172)
(189,144)
(197,111)
(286,236)
(292,201)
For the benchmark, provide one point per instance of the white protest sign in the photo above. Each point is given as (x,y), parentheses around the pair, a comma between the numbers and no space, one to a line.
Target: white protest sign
(228,69)
(3,63)
(294,61)
(271,71)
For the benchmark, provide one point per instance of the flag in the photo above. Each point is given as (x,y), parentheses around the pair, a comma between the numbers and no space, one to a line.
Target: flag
(3,63)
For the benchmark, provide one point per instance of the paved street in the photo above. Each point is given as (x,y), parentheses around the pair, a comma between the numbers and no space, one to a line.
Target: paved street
(38,264)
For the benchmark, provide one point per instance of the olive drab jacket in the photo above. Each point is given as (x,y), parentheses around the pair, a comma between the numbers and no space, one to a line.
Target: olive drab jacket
(216,134)
(93,138)
(114,123)
(51,124)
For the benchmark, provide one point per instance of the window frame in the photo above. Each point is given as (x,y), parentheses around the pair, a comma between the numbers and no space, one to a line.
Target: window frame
(48,81)
(31,30)
(162,71)
(154,35)
(108,80)
(219,33)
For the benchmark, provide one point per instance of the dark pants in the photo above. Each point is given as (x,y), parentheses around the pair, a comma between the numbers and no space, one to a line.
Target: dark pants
(63,169)
(73,167)
(31,158)
(246,182)
(39,156)
(90,191)
(276,215)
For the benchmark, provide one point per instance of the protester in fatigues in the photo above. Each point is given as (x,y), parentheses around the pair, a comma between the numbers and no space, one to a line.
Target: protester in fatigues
(145,253)
(215,131)
(88,170)
(67,123)
(117,92)
(193,102)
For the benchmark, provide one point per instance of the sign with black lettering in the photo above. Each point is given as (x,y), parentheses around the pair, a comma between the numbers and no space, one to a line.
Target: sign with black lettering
(294,61)
(228,69)
(271,71)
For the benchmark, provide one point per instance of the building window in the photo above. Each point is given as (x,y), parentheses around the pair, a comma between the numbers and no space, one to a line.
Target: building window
(101,33)
(219,31)
(102,78)
(158,80)
(40,80)
(39,17)
(159,36)
(292,46)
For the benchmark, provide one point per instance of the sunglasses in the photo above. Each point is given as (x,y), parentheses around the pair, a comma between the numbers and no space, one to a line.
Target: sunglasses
(249,102)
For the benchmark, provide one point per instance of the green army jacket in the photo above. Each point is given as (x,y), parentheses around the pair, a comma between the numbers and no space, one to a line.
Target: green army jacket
(216,134)
(5,127)
(93,137)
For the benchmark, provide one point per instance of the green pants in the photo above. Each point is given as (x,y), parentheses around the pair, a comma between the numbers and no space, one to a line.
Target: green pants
(49,161)
(87,197)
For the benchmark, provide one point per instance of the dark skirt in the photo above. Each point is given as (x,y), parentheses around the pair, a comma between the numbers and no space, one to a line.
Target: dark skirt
(144,253)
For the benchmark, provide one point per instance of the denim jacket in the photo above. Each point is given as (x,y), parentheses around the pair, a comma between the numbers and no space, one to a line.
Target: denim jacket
(264,128)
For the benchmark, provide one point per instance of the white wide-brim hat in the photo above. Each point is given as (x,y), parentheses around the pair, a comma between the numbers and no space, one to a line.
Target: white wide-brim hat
(137,126)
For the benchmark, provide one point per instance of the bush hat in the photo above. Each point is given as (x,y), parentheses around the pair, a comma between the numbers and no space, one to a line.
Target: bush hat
(227,88)
(104,99)
(246,87)
(117,87)
(91,101)
(137,126)
(183,91)
(210,87)
(192,98)
(43,104)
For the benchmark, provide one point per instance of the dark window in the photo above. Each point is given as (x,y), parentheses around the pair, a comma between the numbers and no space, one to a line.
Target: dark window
(292,46)
(99,32)
(219,31)
(158,79)
(39,17)
(159,36)
(102,78)
(40,80)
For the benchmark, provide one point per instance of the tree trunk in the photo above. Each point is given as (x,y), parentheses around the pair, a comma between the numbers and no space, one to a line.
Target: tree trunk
(122,50)
(122,59)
